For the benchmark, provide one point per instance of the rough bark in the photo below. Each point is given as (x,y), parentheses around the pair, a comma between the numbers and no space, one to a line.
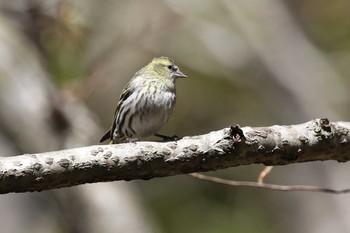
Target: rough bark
(318,139)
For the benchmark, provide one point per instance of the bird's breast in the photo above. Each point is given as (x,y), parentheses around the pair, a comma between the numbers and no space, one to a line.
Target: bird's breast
(154,111)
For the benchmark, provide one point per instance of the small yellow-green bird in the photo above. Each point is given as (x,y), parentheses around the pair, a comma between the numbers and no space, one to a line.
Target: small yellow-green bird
(146,102)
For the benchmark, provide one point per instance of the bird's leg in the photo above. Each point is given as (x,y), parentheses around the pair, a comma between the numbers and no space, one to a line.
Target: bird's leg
(168,138)
(133,140)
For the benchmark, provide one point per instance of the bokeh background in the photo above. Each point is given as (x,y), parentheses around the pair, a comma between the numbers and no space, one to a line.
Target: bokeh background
(63,64)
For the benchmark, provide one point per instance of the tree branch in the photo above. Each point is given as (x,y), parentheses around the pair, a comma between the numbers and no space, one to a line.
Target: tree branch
(276,145)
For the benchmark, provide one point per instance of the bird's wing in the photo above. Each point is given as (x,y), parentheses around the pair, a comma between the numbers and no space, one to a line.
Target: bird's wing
(127,91)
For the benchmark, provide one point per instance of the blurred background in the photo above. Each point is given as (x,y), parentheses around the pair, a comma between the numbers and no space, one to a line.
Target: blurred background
(63,64)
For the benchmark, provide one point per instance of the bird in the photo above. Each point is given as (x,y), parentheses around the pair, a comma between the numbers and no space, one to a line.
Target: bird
(146,102)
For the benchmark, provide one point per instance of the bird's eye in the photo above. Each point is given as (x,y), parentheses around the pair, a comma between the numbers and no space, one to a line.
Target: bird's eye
(170,67)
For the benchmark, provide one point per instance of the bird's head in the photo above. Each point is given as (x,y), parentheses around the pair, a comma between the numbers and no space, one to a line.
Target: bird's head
(166,68)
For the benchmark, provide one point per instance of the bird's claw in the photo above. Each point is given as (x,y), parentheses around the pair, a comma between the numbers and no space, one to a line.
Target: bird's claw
(168,138)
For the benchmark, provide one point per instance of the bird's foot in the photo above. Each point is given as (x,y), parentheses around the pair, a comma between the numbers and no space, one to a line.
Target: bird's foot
(132,140)
(168,138)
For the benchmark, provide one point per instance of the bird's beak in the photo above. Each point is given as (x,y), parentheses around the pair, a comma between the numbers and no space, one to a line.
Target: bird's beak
(179,74)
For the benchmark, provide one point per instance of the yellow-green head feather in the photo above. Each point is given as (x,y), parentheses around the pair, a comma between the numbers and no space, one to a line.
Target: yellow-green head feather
(162,67)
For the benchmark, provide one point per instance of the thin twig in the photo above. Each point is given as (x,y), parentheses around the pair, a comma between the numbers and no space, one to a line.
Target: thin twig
(276,187)
(264,173)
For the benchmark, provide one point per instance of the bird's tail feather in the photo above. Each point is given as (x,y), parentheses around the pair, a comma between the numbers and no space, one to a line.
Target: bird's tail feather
(106,136)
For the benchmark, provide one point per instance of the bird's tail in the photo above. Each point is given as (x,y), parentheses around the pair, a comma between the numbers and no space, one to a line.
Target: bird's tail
(106,136)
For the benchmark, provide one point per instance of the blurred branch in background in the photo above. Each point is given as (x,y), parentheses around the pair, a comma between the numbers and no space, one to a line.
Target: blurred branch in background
(63,64)
(289,55)
(37,46)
